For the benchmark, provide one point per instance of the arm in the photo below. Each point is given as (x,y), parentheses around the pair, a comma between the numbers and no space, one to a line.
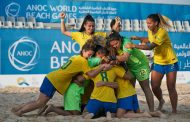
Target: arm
(93,73)
(142,39)
(108,84)
(123,57)
(63,27)
(128,76)
(117,23)
(79,79)
(96,71)
(148,46)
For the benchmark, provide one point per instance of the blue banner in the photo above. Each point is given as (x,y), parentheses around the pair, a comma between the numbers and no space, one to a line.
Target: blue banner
(31,51)
(34,51)
(48,10)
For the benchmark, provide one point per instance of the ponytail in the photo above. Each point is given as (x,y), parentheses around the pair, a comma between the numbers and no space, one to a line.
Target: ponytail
(164,21)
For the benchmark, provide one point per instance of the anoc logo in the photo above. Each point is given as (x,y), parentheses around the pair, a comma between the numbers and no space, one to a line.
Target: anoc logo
(12,9)
(24,54)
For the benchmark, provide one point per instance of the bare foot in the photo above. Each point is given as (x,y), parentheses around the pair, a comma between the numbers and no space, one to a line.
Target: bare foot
(17,108)
(17,113)
(108,116)
(157,114)
(88,116)
(41,110)
(48,109)
(146,114)
(161,104)
(174,111)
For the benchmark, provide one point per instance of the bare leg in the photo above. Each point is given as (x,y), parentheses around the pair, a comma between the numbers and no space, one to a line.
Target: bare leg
(148,94)
(30,106)
(16,108)
(156,79)
(171,84)
(57,110)
(136,115)
(121,113)
(41,110)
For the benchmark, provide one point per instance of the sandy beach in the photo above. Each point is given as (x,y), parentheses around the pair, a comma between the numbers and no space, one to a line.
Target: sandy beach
(11,96)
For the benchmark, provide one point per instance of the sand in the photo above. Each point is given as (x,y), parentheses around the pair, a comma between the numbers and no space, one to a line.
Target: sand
(11,96)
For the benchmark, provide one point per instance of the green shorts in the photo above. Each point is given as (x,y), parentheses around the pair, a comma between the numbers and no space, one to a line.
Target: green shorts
(72,97)
(141,73)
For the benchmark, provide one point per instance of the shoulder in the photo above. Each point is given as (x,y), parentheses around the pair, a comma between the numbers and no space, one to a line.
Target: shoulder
(162,30)
(76,33)
(77,57)
(100,33)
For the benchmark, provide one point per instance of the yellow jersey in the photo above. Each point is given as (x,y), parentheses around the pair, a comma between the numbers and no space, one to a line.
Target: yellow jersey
(163,53)
(62,77)
(82,37)
(105,93)
(125,88)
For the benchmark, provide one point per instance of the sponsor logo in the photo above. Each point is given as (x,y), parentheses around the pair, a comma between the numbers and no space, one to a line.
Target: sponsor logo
(143,72)
(12,9)
(24,54)
(22,82)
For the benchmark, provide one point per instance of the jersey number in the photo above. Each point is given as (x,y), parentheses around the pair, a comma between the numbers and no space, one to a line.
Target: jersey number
(104,76)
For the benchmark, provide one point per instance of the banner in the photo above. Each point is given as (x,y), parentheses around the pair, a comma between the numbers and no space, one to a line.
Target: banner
(36,52)
(48,10)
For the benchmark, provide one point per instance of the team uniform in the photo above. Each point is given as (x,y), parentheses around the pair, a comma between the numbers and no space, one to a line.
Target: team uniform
(59,80)
(72,97)
(82,37)
(104,96)
(126,96)
(165,59)
(137,63)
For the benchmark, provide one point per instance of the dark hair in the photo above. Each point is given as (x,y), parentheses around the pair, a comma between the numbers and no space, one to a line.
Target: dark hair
(113,36)
(112,23)
(89,45)
(159,18)
(102,50)
(88,17)
(154,17)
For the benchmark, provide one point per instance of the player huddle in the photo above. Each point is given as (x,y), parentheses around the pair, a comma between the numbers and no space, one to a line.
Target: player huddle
(101,80)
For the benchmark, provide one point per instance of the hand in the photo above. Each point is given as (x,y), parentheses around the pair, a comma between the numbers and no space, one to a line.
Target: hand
(107,67)
(62,15)
(105,60)
(134,38)
(114,62)
(118,20)
(129,45)
(100,83)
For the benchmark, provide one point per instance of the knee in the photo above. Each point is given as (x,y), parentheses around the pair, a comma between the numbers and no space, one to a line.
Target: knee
(155,86)
(172,90)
